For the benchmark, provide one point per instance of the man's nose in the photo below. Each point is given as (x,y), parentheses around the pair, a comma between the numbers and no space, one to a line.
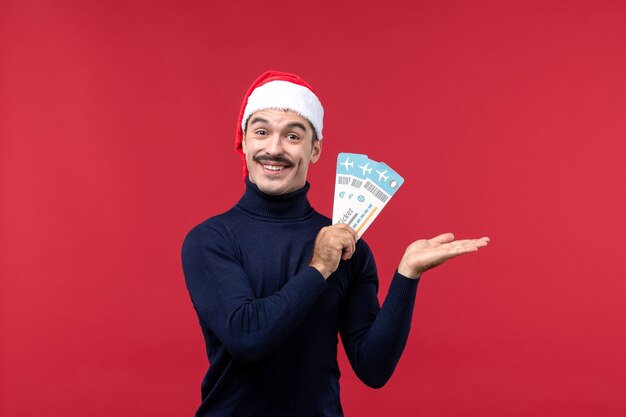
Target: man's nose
(274,145)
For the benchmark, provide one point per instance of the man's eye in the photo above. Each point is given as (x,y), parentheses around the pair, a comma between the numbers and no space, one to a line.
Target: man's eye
(260,132)
(291,136)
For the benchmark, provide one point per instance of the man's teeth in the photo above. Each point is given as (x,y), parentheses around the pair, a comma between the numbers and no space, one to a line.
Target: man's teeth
(273,167)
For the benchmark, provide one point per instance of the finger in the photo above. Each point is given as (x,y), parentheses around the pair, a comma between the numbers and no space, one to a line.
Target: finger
(337,234)
(349,248)
(482,242)
(479,243)
(342,226)
(444,238)
(443,255)
(350,237)
(348,229)
(464,244)
(461,247)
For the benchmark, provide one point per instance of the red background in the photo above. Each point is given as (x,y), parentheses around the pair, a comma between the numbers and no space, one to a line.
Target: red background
(117,125)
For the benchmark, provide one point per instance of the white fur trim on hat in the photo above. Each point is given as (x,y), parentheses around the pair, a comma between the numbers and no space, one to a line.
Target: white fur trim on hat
(286,95)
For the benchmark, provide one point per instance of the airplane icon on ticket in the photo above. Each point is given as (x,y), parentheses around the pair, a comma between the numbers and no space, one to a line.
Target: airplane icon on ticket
(347,163)
(365,168)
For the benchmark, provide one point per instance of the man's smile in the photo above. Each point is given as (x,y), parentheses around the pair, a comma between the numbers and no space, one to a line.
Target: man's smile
(273,164)
(273,167)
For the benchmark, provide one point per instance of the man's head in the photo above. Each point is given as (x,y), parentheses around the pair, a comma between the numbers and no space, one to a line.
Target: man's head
(279,132)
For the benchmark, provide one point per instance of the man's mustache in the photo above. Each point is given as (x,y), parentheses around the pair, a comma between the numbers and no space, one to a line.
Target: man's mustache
(268,158)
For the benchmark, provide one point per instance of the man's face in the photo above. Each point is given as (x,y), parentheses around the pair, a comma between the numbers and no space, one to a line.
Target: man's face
(278,145)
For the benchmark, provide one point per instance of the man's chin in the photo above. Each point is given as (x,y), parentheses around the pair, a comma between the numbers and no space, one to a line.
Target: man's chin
(272,188)
(277,187)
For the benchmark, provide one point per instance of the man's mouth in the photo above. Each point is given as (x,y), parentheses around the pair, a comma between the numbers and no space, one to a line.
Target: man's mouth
(273,164)
(274,168)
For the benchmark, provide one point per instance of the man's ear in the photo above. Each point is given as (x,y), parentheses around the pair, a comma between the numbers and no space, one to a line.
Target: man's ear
(243,143)
(316,152)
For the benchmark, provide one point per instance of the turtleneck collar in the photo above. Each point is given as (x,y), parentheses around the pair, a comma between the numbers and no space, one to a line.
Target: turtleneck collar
(290,206)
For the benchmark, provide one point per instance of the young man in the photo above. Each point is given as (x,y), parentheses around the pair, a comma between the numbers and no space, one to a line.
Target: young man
(273,283)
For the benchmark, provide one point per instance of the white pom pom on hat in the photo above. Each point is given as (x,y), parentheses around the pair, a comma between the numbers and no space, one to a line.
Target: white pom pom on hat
(279,90)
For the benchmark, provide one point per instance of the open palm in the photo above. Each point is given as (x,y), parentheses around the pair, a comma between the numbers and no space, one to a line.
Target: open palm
(424,254)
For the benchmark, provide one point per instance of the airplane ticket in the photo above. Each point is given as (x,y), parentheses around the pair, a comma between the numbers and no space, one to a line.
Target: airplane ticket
(363,187)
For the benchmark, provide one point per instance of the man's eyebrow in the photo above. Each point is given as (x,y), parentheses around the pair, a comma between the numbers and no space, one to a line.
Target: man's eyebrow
(295,124)
(258,119)
(292,125)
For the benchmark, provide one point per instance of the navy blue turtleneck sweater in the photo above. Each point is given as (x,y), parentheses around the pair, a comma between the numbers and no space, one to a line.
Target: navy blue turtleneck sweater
(270,322)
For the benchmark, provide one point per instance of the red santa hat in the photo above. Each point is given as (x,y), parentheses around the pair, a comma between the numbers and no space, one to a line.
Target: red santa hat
(279,90)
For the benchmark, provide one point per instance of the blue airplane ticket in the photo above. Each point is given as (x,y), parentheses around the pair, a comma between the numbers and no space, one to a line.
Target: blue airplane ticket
(363,187)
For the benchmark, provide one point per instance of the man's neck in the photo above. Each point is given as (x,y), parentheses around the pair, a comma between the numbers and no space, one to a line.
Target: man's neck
(286,207)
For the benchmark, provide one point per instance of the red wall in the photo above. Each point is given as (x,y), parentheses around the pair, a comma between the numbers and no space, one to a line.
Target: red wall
(116,129)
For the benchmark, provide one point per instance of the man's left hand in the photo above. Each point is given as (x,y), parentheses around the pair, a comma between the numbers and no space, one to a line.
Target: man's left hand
(424,254)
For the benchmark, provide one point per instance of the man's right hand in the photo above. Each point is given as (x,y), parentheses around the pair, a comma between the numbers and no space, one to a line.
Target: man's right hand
(332,244)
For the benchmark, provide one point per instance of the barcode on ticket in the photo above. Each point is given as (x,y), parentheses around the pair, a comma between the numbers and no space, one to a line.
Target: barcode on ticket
(343,180)
(377,192)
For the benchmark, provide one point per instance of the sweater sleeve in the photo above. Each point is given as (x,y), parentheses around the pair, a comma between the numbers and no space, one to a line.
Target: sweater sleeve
(248,327)
(374,338)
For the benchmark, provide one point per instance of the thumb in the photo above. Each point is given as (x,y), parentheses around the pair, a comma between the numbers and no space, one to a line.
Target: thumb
(444,238)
